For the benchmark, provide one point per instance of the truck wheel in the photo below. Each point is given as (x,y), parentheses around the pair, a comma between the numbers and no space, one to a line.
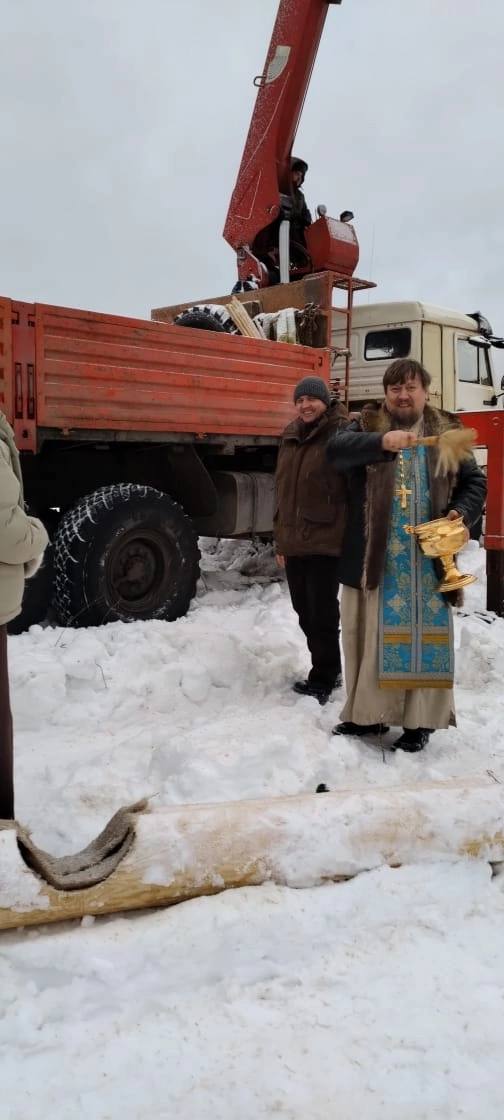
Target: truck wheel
(207,319)
(37,596)
(123,553)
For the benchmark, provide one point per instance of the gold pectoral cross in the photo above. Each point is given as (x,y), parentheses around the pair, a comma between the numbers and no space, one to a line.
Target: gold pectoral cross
(403,493)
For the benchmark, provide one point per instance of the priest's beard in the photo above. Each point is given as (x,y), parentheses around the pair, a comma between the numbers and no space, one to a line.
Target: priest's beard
(404,418)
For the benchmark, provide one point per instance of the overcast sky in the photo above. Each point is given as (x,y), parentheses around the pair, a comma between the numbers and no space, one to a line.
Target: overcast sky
(123,124)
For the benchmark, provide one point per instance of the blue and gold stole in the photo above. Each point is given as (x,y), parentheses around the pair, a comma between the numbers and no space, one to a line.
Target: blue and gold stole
(415,647)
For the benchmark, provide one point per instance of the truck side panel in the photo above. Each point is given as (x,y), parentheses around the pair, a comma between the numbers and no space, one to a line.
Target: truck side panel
(432,360)
(6,370)
(102,371)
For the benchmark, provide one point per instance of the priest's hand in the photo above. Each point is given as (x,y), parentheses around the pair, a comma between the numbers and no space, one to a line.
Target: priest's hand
(397,440)
(452,515)
(280,560)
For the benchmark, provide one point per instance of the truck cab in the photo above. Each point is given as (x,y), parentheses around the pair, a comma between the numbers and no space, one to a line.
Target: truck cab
(450,344)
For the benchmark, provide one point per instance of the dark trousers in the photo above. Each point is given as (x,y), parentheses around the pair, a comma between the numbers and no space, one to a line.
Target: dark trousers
(313,585)
(6,753)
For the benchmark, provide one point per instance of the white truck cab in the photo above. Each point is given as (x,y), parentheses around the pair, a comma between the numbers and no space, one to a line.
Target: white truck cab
(455,348)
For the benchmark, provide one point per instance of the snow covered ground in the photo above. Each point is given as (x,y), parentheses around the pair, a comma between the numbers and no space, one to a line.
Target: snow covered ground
(377,998)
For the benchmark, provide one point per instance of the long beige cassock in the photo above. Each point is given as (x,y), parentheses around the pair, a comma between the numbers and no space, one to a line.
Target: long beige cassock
(366,702)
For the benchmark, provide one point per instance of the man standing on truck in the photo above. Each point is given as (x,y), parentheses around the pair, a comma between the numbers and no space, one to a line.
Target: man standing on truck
(308,526)
(300,216)
(397,626)
(22,543)
(266,243)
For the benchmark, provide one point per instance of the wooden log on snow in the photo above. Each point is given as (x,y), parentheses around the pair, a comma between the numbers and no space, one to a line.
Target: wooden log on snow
(156,857)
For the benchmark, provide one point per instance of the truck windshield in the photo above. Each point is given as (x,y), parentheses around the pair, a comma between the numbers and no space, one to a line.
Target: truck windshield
(473,364)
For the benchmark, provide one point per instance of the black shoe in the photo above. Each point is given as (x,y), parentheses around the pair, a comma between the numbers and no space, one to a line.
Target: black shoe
(359,729)
(413,739)
(305,688)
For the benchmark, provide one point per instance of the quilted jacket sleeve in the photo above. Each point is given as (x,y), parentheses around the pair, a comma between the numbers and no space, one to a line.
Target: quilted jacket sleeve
(22,538)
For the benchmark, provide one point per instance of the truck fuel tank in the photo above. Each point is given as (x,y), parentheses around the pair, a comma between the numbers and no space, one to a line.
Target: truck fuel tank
(245,504)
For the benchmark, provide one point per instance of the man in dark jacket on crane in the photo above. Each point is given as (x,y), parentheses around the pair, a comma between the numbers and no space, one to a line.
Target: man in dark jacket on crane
(266,244)
(300,216)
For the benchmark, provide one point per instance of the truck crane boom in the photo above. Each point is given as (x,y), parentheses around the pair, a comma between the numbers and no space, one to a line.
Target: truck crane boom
(264,176)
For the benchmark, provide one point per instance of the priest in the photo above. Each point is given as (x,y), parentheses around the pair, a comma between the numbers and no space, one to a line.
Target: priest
(397,630)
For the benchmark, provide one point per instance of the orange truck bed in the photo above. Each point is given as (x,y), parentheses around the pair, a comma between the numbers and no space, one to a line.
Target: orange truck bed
(65,372)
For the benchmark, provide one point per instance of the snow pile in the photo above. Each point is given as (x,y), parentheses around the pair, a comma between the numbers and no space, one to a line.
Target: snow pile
(202,710)
(381,997)
(243,559)
(20,889)
(377,998)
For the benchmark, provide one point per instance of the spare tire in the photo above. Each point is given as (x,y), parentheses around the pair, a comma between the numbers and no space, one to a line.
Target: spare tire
(208,318)
(124,552)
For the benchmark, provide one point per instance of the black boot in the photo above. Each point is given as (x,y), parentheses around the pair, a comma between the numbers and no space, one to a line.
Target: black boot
(317,691)
(321,692)
(359,729)
(413,739)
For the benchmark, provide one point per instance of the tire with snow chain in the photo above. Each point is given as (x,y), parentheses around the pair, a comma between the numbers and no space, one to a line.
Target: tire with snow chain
(124,552)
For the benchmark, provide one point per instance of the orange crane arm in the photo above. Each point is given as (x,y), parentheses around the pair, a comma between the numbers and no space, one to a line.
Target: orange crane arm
(264,168)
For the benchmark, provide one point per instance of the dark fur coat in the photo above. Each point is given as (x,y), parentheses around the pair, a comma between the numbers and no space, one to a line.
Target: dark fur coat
(371,478)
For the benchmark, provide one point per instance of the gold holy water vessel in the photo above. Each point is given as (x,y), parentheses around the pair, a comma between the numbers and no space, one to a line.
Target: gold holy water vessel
(442,539)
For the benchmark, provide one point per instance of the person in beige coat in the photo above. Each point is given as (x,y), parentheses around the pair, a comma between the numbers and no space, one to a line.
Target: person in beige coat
(22,543)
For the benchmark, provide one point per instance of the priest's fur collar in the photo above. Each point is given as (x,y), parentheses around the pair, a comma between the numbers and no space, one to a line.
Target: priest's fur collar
(376,418)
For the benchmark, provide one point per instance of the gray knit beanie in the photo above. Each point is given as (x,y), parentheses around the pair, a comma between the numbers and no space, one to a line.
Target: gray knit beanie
(312,387)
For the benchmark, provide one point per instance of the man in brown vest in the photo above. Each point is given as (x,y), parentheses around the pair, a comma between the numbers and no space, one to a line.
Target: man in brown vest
(309,524)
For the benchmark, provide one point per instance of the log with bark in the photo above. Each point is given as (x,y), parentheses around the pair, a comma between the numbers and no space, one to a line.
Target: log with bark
(156,857)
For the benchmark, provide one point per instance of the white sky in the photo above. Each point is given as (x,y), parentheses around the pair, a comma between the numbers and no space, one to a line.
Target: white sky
(123,126)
